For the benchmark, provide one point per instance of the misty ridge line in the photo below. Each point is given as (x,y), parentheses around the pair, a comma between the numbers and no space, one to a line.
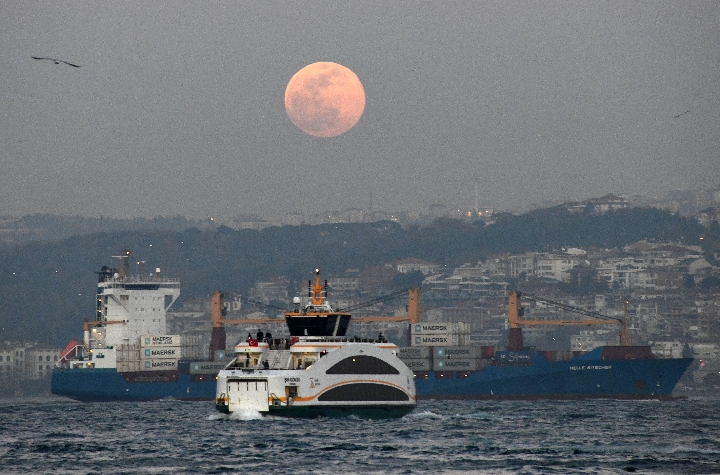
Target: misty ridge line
(233,260)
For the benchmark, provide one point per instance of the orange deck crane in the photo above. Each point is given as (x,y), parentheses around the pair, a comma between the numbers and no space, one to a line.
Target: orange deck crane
(413,310)
(218,312)
(515,312)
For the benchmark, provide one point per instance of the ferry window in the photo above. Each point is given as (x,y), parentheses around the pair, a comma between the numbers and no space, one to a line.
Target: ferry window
(362,364)
(364,392)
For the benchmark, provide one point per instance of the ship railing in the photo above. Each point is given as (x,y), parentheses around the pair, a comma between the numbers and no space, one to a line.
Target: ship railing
(132,279)
(277,343)
(239,363)
(344,339)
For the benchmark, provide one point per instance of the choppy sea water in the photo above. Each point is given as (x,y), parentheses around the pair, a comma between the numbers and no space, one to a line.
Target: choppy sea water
(59,436)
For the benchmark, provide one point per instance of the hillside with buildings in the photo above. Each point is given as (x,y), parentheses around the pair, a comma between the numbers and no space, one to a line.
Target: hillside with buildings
(702,204)
(658,269)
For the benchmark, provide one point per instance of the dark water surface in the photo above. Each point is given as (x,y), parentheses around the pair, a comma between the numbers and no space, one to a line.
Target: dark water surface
(60,436)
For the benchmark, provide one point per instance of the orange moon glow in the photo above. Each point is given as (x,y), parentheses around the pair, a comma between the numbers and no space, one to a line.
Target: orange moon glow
(324,99)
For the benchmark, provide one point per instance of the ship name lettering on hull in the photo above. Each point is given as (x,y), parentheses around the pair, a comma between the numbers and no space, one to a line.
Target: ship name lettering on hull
(582,368)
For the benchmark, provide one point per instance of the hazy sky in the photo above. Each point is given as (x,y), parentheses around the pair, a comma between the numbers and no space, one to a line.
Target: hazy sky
(178,108)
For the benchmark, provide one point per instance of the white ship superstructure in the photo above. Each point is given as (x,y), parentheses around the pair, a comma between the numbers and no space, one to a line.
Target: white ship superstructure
(130,307)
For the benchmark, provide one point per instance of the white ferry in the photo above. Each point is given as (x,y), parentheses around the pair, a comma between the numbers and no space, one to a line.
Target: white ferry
(319,371)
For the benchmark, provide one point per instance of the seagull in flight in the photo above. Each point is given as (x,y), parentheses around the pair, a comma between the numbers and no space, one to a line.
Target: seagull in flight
(57,61)
(680,115)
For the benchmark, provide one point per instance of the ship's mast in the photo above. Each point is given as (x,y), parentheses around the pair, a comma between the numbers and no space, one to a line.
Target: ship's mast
(124,268)
(319,293)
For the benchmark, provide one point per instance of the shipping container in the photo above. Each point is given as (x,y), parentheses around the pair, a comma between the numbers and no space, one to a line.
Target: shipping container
(414,352)
(418,364)
(457,364)
(207,367)
(128,366)
(161,353)
(128,353)
(159,340)
(443,352)
(194,347)
(439,328)
(159,365)
(441,340)
(435,340)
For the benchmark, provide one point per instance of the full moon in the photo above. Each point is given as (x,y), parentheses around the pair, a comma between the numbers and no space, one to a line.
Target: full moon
(324,99)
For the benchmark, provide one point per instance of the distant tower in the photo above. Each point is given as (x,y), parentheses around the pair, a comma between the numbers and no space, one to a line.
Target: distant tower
(477,205)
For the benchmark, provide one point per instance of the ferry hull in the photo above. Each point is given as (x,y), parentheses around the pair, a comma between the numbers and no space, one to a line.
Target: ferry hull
(580,378)
(107,384)
(365,412)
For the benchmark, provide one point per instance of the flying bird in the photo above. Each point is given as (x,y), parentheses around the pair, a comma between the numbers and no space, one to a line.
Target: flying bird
(680,115)
(57,61)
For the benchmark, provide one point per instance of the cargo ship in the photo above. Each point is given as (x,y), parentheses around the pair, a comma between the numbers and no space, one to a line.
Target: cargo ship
(446,367)
(319,371)
(126,353)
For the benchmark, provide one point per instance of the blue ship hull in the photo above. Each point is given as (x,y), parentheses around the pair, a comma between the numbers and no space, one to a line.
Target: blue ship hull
(585,377)
(589,376)
(95,384)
